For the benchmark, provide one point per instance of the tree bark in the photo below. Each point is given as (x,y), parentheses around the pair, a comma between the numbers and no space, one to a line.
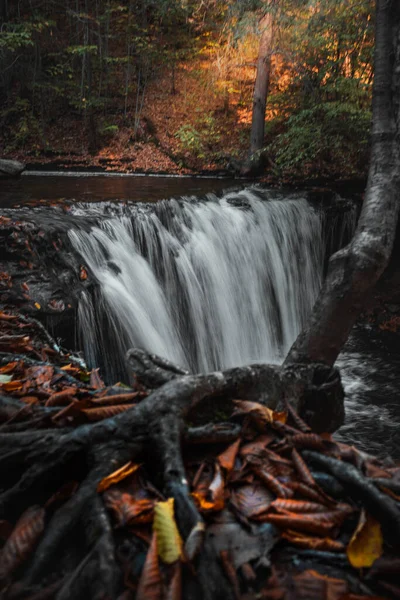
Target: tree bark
(356,268)
(261,86)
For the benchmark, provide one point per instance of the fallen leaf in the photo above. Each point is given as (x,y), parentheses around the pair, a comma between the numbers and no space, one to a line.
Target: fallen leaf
(298,506)
(5,378)
(169,543)
(251,499)
(150,583)
(127,509)
(9,367)
(259,414)
(313,543)
(311,585)
(366,544)
(12,386)
(227,458)
(118,475)
(22,540)
(106,412)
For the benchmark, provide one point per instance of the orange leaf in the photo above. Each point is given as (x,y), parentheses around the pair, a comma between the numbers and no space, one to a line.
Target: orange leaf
(227,458)
(211,497)
(9,367)
(12,386)
(366,544)
(117,476)
(127,509)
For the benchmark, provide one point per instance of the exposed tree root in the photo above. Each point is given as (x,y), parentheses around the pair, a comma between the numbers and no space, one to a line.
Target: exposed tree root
(152,431)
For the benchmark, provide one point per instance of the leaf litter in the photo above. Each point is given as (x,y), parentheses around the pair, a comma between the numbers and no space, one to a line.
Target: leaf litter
(275,532)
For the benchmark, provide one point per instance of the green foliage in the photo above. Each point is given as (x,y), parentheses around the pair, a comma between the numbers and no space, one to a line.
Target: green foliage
(190,140)
(200,141)
(22,125)
(332,133)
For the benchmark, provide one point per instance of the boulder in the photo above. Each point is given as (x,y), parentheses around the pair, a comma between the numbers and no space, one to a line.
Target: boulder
(10,168)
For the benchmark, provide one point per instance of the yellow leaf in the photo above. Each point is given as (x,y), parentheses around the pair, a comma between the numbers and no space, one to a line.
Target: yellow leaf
(169,543)
(38,305)
(117,476)
(366,544)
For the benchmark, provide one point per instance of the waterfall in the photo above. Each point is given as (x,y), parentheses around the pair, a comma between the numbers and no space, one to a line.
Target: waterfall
(208,284)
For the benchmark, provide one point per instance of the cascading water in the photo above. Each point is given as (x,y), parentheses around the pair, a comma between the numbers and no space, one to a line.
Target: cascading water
(208,284)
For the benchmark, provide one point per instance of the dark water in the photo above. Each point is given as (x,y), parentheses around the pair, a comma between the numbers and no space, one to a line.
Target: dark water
(370,362)
(90,187)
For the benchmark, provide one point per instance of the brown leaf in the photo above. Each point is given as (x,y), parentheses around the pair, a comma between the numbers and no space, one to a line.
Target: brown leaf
(308,440)
(116,399)
(257,445)
(298,506)
(319,523)
(302,469)
(127,509)
(311,585)
(313,543)
(297,420)
(105,412)
(96,381)
(83,274)
(230,573)
(22,540)
(150,583)
(273,484)
(62,398)
(227,458)
(174,590)
(251,499)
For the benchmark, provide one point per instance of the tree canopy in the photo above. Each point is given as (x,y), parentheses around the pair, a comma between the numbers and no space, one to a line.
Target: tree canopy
(116,66)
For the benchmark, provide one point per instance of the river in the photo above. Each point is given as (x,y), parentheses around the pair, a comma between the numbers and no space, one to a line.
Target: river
(214,283)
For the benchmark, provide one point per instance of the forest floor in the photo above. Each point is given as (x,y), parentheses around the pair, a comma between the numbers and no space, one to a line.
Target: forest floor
(274,529)
(180,132)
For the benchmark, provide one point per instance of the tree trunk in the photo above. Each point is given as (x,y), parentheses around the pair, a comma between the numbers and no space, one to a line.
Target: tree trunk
(355,269)
(261,86)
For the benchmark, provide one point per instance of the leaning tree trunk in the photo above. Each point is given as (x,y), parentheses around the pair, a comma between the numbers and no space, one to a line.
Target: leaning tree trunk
(356,268)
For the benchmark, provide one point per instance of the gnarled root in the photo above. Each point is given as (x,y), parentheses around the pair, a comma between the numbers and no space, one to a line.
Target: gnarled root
(153,432)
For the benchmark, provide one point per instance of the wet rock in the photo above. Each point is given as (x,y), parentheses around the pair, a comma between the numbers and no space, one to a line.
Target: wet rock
(10,168)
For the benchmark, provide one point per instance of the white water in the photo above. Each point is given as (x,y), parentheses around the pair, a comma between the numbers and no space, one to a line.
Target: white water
(207,284)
